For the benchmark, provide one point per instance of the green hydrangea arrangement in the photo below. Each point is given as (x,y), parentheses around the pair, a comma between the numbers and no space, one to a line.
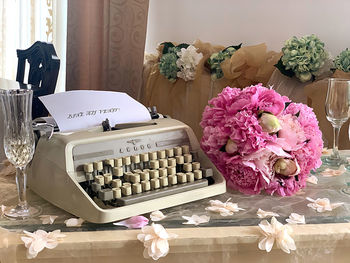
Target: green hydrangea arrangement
(167,65)
(215,60)
(302,57)
(342,61)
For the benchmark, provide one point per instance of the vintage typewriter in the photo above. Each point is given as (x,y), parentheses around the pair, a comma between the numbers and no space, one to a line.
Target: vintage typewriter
(104,176)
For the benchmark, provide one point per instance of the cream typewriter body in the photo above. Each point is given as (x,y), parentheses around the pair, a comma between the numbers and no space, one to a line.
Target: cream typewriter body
(108,176)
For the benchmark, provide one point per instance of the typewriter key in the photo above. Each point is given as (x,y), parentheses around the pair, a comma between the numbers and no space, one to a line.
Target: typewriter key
(154,164)
(163,172)
(117,192)
(171,162)
(118,162)
(172,179)
(144,176)
(177,151)
(196,165)
(116,183)
(185,149)
(188,158)
(161,154)
(88,168)
(164,181)
(154,174)
(163,163)
(152,156)
(155,184)
(126,190)
(171,170)
(169,153)
(197,174)
(105,194)
(146,186)
(187,167)
(118,171)
(181,178)
(99,179)
(135,178)
(136,188)
(190,177)
(107,178)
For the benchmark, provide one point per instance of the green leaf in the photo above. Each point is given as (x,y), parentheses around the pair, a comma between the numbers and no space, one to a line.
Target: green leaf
(290,73)
(166,47)
(235,47)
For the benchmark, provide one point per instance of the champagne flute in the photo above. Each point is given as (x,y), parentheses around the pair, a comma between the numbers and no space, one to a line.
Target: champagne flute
(19,145)
(337,112)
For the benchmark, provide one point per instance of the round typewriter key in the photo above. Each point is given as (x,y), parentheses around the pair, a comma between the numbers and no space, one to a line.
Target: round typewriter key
(190,177)
(146,186)
(163,172)
(100,179)
(137,171)
(187,167)
(163,163)
(98,166)
(164,181)
(171,170)
(154,173)
(197,174)
(169,153)
(181,178)
(135,158)
(188,158)
(154,164)
(177,151)
(116,183)
(171,162)
(180,159)
(135,178)
(136,188)
(126,190)
(155,184)
(108,178)
(185,149)
(118,171)
(152,156)
(109,162)
(196,165)
(89,176)
(127,176)
(117,192)
(161,154)
(144,157)
(144,176)
(126,160)
(88,168)
(118,162)
(172,179)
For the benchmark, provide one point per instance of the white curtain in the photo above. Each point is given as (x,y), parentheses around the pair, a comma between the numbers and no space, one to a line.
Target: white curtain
(22,22)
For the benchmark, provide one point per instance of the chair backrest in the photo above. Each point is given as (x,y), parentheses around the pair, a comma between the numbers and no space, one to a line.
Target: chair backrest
(44,66)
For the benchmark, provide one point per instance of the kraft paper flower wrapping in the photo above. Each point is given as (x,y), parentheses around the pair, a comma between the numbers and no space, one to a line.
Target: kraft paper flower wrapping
(187,105)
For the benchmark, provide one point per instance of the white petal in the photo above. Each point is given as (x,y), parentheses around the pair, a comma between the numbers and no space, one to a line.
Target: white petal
(262,214)
(312,179)
(74,222)
(157,216)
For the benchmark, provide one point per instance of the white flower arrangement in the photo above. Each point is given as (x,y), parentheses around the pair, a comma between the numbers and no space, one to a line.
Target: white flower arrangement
(187,62)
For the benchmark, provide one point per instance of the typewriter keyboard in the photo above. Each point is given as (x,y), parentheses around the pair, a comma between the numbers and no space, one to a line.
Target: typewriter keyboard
(137,178)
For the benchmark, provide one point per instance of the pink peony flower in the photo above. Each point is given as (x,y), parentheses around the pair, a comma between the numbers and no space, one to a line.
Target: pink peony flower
(247,165)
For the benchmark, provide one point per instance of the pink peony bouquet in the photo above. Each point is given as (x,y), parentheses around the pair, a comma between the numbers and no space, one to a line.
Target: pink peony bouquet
(260,140)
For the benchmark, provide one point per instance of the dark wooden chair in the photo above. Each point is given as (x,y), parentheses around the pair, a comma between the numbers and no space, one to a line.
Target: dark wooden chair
(44,66)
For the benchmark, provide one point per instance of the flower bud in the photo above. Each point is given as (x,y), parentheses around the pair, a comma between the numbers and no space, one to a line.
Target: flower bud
(231,146)
(269,123)
(286,167)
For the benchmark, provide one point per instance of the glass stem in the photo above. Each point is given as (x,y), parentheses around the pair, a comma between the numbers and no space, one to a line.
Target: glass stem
(336,131)
(21,181)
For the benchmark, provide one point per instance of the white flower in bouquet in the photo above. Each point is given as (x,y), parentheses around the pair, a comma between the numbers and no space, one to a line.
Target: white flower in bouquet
(187,62)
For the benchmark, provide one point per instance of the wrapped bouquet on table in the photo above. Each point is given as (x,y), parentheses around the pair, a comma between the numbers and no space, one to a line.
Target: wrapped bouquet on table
(260,140)
(303,60)
(185,98)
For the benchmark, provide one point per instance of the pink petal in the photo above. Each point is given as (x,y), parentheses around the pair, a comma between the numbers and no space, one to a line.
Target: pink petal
(133,222)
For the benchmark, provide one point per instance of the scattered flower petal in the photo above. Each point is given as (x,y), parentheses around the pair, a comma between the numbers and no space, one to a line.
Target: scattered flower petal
(262,214)
(157,216)
(331,172)
(295,218)
(155,240)
(47,219)
(74,222)
(278,232)
(322,204)
(312,179)
(40,239)
(196,220)
(133,222)
(225,209)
